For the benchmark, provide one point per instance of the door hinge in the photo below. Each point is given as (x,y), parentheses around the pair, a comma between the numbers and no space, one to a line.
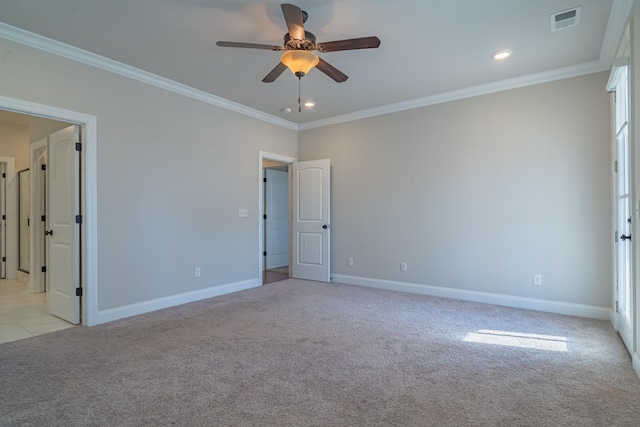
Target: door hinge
(264,216)
(4,259)
(43,269)
(264,179)
(78,292)
(264,253)
(615,166)
(4,217)
(78,146)
(43,167)
(617,306)
(43,218)
(4,175)
(78,219)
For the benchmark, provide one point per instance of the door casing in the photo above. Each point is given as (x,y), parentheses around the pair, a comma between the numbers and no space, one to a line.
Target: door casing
(11,210)
(37,281)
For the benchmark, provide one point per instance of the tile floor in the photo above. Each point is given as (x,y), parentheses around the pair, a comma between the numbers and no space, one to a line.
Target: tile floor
(24,315)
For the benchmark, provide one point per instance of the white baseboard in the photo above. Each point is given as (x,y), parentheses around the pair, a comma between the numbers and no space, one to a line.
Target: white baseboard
(636,364)
(550,306)
(117,313)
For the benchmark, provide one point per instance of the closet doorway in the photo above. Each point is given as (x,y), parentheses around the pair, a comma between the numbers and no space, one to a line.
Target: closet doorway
(276,240)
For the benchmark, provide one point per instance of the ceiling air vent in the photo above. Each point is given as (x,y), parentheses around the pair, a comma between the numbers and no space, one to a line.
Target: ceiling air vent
(565,19)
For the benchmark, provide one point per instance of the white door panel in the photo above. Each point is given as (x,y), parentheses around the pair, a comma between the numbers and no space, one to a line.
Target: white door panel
(63,244)
(623,241)
(38,240)
(623,319)
(3,221)
(311,222)
(277,223)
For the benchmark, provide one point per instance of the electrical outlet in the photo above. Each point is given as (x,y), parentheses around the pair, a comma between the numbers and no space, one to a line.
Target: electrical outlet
(537,279)
(197,272)
(403,266)
(350,262)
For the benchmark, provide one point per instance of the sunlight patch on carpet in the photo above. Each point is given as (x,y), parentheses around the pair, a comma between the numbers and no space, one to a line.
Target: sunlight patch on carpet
(518,339)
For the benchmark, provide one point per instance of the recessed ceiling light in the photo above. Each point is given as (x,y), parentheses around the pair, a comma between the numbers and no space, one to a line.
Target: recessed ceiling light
(501,54)
(309,104)
(286,110)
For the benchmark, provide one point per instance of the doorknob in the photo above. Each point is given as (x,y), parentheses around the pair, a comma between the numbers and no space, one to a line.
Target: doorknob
(325,226)
(48,233)
(623,237)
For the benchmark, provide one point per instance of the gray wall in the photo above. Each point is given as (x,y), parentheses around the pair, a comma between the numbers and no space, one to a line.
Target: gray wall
(478,194)
(172,173)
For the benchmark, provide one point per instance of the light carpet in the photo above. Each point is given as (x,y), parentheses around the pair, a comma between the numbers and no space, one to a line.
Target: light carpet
(299,353)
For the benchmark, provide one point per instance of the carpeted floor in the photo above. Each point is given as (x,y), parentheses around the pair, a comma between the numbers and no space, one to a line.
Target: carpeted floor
(298,353)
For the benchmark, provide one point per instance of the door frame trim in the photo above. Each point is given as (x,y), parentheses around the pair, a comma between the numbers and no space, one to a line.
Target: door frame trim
(36,242)
(264,155)
(11,207)
(88,197)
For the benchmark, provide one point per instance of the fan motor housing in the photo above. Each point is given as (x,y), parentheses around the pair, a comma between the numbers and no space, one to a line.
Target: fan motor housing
(309,42)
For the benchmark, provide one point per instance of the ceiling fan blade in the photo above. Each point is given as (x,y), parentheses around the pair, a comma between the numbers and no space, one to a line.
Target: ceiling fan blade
(293,18)
(349,44)
(275,73)
(249,45)
(331,71)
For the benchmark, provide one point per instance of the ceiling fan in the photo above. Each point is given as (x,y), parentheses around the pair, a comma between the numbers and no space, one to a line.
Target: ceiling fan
(298,45)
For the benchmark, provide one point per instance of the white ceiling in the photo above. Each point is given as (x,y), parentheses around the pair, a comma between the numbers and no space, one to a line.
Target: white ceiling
(430,49)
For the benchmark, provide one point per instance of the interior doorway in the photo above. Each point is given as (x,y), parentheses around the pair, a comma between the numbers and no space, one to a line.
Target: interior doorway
(28,301)
(309,210)
(274,207)
(276,240)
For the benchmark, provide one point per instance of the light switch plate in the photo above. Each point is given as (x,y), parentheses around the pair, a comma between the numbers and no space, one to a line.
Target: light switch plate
(243,213)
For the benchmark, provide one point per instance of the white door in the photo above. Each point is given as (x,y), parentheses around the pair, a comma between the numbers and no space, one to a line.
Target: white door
(622,207)
(311,222)
(3,221)
(277,222)
(623,241)
(63,258)
(24,220)
(38,155)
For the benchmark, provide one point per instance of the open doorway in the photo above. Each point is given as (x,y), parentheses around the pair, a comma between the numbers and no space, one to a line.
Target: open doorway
(26,303)
(274,207)
(276,241)
(308,196)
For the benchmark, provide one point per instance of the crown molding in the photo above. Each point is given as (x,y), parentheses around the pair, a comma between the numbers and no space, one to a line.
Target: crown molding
(46,44)
(616,25)
(514,83)
(618,19)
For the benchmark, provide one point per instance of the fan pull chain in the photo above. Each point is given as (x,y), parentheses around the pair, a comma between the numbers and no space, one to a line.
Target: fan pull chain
(299,108)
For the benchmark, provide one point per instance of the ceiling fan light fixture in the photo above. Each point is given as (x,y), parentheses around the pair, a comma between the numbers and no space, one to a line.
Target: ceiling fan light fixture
(299,61)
